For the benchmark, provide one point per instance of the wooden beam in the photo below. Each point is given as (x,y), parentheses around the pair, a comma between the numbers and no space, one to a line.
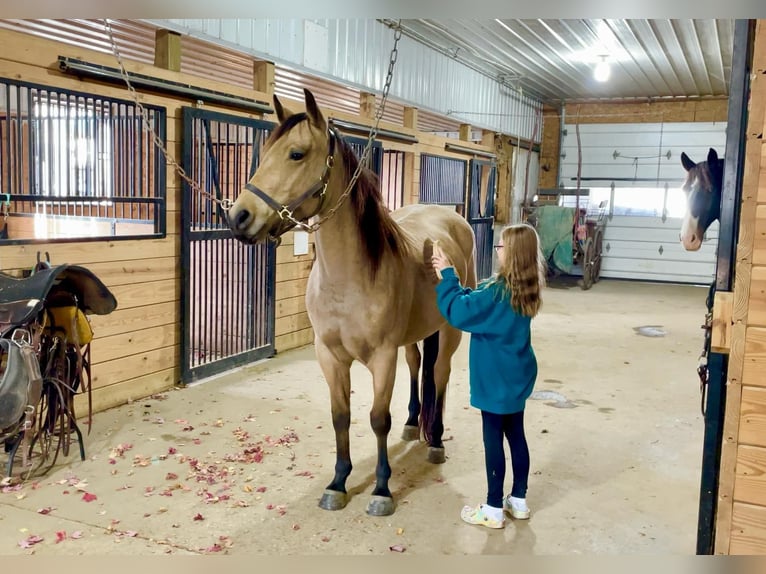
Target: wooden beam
(263,77)
(720,334)
(167,50)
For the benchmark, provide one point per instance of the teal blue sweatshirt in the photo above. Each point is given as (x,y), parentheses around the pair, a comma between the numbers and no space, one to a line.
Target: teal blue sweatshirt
(502,365)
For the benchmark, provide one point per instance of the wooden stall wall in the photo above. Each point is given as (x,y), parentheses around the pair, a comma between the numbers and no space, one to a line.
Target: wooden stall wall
(741,510)
(136,350)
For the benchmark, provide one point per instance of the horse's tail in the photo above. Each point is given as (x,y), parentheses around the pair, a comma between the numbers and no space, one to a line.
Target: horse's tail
(428,396)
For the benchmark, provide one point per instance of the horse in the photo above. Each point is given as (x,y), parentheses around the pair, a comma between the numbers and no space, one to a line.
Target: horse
(703,185)
(370,290)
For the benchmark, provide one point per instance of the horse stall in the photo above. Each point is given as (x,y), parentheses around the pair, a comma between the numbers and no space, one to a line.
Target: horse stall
(214,377)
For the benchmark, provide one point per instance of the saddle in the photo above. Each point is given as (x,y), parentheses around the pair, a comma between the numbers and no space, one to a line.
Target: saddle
(44,353)
(21,299)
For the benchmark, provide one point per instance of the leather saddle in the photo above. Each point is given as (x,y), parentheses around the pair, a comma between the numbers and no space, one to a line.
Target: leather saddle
(22,298)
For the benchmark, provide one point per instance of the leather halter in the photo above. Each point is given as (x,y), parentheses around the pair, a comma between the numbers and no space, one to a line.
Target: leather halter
(319,189)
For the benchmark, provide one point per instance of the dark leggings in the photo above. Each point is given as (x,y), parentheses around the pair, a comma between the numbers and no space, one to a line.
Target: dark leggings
(493,428)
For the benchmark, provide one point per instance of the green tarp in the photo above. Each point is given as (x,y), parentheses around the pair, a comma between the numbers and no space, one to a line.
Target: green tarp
(554,226)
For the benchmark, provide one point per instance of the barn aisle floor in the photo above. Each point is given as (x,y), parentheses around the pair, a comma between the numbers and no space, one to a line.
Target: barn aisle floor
(237,464)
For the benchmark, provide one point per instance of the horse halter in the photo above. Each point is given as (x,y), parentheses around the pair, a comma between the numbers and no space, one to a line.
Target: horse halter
(319,189)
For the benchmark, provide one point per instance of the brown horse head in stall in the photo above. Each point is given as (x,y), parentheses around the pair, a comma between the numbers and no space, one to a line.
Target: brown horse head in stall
(371,287)
(703,185)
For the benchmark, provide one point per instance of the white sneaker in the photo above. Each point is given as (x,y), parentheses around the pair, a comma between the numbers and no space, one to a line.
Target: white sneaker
(517,507)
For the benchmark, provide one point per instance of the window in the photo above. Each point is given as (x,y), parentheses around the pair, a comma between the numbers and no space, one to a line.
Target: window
(76,166)
(635,201)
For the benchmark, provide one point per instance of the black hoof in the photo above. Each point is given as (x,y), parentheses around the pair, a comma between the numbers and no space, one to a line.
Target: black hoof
(380,506)
(436,455)
(410,433)
(333,500)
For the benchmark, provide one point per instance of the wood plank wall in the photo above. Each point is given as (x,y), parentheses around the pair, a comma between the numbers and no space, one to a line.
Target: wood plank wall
(136,349)
(741,516)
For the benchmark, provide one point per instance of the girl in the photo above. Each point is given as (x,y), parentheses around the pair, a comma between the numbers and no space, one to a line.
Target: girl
(502,364)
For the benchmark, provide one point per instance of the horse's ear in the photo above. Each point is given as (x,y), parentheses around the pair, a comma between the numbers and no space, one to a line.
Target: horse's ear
(712,157)
(282,112)
(686,162)
(312,109)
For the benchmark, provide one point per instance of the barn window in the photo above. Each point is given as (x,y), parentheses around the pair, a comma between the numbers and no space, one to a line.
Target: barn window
(635,201)
(78,166)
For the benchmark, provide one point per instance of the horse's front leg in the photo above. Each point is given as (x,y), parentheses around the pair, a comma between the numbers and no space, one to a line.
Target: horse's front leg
(411,429)
(383,368)
(338,376)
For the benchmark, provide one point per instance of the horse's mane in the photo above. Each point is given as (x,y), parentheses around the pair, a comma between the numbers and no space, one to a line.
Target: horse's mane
(378,232)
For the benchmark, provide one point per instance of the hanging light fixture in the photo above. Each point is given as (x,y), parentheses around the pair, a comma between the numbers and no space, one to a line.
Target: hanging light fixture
(601,71)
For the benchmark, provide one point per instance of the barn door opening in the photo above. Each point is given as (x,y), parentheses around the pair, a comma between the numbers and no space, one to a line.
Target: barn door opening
(481,212)
(227,289)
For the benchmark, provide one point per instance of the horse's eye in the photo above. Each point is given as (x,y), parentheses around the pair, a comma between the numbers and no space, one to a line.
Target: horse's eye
(296,155)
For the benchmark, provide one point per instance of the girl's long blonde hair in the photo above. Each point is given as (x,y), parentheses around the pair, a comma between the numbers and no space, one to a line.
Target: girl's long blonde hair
(522,268)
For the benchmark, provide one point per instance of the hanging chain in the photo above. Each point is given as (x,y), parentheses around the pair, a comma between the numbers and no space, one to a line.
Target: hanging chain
(373,132)
(144,116)
(226,203)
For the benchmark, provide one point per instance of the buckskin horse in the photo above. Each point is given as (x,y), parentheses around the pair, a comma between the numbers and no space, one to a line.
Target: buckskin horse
(371,286)
(703,185)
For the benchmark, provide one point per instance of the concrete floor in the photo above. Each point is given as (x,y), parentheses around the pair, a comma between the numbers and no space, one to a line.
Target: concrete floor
(615,454)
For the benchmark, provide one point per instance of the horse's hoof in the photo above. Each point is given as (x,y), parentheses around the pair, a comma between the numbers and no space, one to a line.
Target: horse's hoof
(333,500)
(436,454)
(410,432)
(380,506)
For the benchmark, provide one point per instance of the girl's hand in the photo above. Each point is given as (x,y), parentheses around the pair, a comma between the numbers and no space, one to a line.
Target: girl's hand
(439,260)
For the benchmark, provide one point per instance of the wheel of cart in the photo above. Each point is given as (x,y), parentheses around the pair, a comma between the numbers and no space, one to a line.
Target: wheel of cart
(598,244)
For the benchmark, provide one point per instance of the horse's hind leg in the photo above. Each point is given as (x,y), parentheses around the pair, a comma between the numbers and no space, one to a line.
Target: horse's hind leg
(433,407)
(411,430)
(338,378)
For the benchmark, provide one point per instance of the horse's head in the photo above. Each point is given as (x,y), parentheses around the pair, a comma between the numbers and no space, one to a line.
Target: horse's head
(703,198)
(290,183)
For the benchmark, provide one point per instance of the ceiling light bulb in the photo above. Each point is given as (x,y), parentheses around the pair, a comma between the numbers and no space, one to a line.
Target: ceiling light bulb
(601,71)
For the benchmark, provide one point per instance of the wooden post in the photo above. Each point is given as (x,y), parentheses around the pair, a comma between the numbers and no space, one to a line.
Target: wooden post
(263,77)
(720,334)
(167,50)
(367,105)
(411,161)
(410,118)
(465,132)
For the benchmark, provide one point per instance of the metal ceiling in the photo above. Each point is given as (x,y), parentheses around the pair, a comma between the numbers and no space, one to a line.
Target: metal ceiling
(554,60)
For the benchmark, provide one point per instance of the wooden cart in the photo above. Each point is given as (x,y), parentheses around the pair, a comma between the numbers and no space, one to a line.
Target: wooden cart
(588,227)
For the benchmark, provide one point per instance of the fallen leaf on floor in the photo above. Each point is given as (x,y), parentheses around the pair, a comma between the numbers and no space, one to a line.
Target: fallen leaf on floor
(397,548)
(325,538)
(30,541)
(88,497)
(171,476)
(400,531)
(76,534)
(198,516)
(46,510)
(296,526)
(60,536)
